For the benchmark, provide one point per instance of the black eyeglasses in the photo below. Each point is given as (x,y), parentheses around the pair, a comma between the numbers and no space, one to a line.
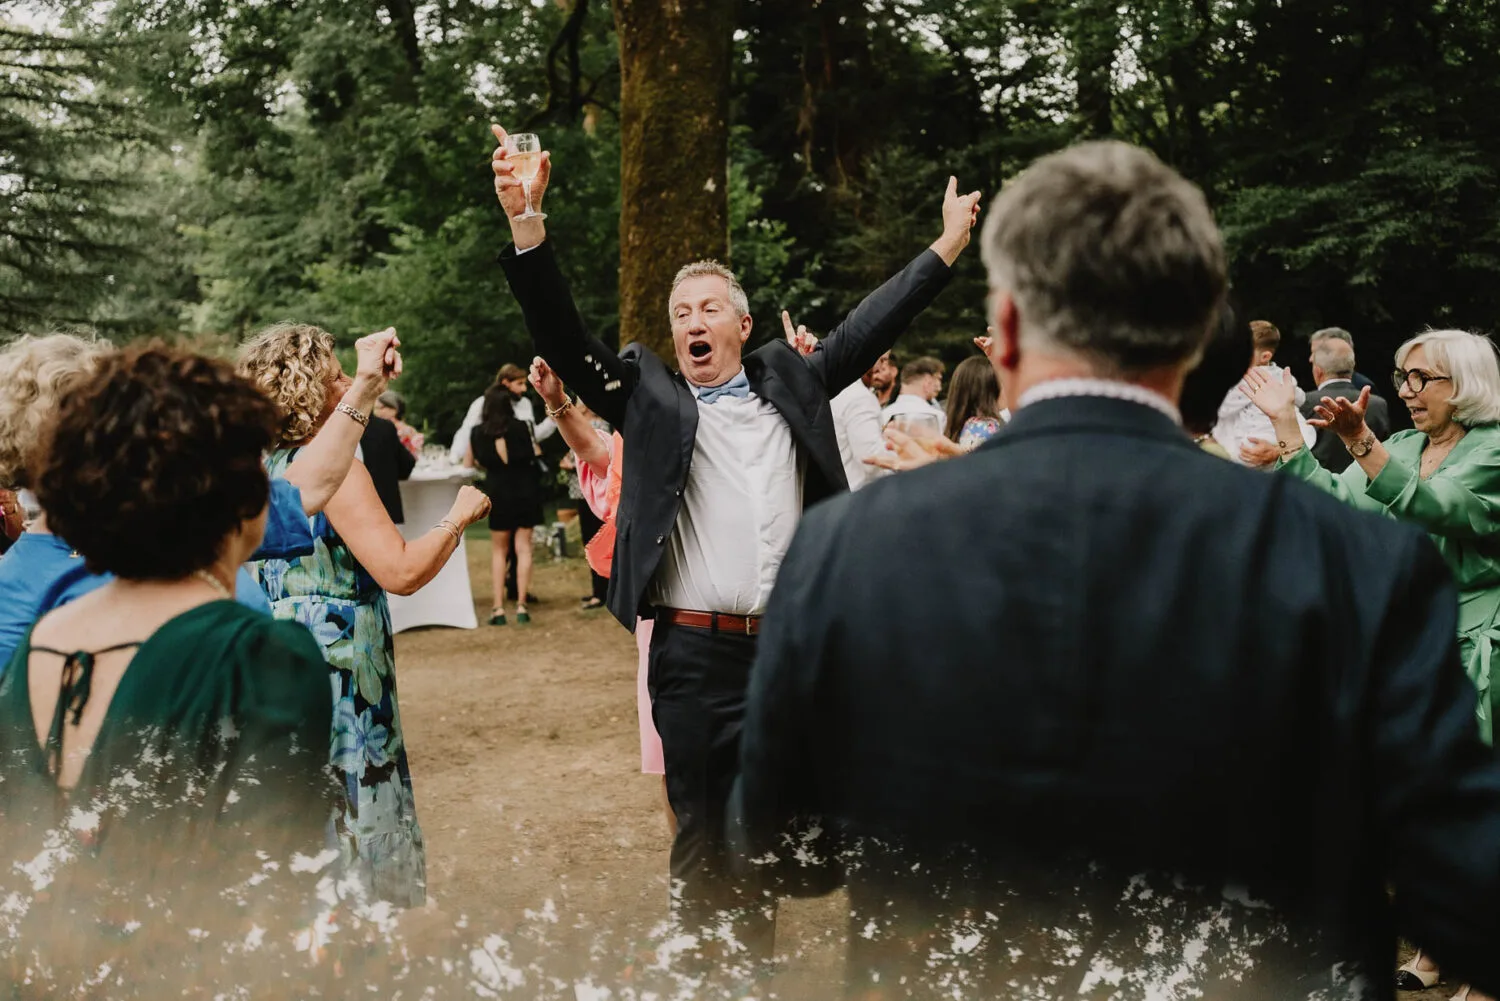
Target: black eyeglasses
(1415,379)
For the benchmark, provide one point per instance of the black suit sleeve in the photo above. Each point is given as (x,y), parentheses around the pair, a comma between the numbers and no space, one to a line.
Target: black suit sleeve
(777,789)
(588,366)
(1437,786)
(871,328)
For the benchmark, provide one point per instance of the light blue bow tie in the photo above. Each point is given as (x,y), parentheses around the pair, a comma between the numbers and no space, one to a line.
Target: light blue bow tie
(738,387)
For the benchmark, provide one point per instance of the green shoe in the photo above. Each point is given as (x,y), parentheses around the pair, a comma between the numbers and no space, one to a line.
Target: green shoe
(522,618)
(497,618)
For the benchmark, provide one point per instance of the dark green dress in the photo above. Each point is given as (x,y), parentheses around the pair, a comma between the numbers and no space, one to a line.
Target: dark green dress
(208,779)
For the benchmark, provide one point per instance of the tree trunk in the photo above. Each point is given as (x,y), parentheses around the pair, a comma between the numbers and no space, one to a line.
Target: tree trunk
(674,152)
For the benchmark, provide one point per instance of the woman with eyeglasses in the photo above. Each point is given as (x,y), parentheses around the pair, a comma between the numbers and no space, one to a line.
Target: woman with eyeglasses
(1444,475)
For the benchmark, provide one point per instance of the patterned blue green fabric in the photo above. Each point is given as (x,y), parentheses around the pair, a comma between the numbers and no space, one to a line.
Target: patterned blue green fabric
(346,611)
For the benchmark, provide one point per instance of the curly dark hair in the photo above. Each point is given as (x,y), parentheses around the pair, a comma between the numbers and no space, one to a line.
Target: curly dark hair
(154,461)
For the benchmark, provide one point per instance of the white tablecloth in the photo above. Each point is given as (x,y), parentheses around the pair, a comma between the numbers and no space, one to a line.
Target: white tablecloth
(447,600)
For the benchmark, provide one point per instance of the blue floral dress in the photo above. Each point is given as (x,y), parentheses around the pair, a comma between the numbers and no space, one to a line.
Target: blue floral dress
(346,611)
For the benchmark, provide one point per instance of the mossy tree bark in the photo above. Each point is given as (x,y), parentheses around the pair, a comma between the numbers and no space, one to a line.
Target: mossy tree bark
(674,151)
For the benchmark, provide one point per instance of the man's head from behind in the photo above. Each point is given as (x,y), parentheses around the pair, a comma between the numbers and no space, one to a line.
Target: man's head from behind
(922,377)
(1332,357)
(710,317)
(1265,339)
(1102,261)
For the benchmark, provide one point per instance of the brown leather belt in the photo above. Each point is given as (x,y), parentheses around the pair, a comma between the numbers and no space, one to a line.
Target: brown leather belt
(719,622)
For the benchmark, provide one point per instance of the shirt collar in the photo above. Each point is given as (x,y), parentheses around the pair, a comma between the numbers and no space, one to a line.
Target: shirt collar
(1330,382)
(698,391)
(1057,388)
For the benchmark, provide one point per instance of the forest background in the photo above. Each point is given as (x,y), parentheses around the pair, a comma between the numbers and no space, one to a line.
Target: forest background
(193,169)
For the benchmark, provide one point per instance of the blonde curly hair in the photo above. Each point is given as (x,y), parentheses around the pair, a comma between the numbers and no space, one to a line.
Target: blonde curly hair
(35,374)
(293,364)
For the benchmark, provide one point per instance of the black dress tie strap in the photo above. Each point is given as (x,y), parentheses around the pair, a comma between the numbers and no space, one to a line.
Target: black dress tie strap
(73,693)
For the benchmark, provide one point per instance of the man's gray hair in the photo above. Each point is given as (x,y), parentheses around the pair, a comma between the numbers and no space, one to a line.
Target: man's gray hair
(1109,254)
(711,268)
(1334,356)
(1332,333)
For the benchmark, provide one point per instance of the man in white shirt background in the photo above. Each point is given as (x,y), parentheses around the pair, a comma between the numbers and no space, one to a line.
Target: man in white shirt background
(921,384)
(856,411)
(522,410)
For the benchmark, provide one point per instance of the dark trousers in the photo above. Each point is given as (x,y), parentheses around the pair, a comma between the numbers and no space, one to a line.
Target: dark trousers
(589,525)
(697,681)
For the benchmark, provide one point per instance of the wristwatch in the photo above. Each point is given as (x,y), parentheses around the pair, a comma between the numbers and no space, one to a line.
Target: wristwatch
(1360,447)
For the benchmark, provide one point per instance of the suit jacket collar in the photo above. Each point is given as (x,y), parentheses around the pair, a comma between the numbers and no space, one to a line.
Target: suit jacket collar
(1092,414)
(1336,384)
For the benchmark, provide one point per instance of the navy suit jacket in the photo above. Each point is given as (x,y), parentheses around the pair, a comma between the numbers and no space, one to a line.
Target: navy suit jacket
(1042,682)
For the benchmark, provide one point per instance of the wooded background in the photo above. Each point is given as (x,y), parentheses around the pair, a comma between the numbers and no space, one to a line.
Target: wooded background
(195,168)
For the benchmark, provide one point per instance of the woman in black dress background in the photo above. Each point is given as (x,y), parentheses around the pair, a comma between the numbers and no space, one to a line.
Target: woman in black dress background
(505,449)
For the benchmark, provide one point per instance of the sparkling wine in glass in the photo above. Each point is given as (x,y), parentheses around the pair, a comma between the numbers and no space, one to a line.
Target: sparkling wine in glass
(524,151)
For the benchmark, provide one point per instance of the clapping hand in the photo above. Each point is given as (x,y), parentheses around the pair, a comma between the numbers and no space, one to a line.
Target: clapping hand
(547,384)
(905,451)
(508,187)
(960,212)
(798,337)
(1275,398)
(1344,418)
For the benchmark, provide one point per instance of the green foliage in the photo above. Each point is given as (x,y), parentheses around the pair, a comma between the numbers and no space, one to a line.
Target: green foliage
(68,163)
(327,161)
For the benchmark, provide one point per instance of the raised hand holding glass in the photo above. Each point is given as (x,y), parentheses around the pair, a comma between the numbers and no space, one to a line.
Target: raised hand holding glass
(524,151)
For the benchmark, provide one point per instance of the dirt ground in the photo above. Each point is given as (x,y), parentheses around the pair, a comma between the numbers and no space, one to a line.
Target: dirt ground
(525,757)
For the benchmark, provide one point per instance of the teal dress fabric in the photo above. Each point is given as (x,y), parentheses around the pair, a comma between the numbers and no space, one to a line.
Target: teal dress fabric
(204,784)
(346,611)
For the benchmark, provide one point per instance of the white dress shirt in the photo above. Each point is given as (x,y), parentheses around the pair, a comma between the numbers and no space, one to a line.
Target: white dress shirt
(907,404)
(521,409)
(856,424)
(740,508)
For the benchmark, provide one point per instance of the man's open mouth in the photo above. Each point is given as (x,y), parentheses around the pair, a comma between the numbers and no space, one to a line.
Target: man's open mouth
(700,349)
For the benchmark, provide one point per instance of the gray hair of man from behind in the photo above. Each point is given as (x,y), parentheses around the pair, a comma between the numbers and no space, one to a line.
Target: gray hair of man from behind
(1332,333)
(713,269)
(1110,255)
(1334,356)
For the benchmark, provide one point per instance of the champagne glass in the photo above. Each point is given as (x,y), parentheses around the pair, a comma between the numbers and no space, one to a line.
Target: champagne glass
(917,425)
(524,151)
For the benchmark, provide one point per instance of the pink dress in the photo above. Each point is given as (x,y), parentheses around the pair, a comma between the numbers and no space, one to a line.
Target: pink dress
(602,494)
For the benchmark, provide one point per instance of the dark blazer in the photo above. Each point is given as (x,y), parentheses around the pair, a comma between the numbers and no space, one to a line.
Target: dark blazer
(388,462)
(1328,449)
(657,413)
(1090,652)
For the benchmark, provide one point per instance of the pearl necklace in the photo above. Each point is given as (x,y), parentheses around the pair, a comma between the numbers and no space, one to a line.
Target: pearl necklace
(214,583)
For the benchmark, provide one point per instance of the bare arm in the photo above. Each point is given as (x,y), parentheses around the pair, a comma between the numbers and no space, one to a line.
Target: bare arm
(322,465)
(572,425)
(398,565)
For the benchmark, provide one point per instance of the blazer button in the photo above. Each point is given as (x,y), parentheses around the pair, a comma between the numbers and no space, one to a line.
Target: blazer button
(660,539)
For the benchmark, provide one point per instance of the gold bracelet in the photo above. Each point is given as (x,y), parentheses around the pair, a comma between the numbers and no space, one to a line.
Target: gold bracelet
(363,420)
(450,528)
(567,405)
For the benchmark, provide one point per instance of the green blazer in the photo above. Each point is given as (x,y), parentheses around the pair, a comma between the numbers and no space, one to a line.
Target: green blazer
(1459,506)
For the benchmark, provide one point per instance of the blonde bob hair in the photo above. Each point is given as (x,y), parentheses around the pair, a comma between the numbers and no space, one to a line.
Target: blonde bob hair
(35,374)
(293,364)
(1471,362)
